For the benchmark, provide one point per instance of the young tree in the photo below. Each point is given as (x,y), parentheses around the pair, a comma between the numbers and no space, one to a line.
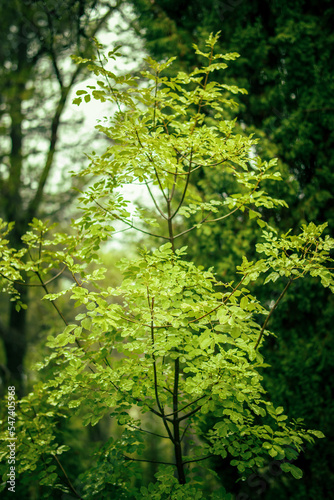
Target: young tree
(172,341)
(287,67)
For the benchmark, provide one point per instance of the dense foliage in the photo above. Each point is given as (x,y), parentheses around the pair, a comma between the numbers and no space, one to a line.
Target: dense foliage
(173,347)
(287,68)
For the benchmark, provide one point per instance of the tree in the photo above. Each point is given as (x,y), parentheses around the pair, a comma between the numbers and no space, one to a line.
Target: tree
(287,68)
(190,342)
(34,39)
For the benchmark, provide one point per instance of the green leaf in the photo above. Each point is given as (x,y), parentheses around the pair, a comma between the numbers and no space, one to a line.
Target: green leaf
(252,214)
(317,434)
(295,471)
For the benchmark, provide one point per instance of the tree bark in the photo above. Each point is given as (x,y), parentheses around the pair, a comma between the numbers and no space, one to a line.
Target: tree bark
(14,336)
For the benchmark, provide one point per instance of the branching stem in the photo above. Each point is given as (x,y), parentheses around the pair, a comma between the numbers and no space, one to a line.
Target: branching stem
(271,312)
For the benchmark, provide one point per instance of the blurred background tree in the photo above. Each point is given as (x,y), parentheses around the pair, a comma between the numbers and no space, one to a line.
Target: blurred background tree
(36,78)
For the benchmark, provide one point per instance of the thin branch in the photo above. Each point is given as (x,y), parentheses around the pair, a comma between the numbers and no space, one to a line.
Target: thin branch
(239,206)
(186,406)
(54,456)
(153,357)
(177,173)
(34,284)
(189,414)
(171,195)
(185,187)
(227,215)
(133,321)
(77,282)
(168,389)
(161,409)
(127,222)
(184,432)
(193,227)
(148,461)
(63,318)
(150,159)
(152,409)
(271,312)
(112,91)
(201,100)
(159,182)
(155,98)
(182,156)
(198,459)
(155,202)
(193,170)
(54,303)
(221,304)
(148,432)
(204,165)
(66,476)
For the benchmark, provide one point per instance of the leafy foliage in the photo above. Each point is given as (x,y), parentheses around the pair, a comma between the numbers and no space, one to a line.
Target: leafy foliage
(172,341)
(287,68)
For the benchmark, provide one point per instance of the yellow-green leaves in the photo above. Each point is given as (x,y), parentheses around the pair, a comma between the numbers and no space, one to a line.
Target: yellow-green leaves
(293,256)
(170,340)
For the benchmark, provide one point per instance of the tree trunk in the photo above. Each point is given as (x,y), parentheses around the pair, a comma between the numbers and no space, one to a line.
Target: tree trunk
(14,336)
(15,344)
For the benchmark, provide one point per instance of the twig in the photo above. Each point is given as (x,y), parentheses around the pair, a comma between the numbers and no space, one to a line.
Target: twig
(189,414)
(198,459)
(34,284)
(185,187)
(154,201)
(222,303)
(128,223)
(161,409)
(271,312)
(66,476)
(149,461)
(186,406)
(193,227)
(148,432)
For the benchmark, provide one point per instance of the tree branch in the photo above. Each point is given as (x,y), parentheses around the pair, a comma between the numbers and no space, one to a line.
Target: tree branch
(189,414)
(36,200)
(148,432)
(271,312)
(221,304)
(66,476)
(155,202)
(192,228)
(185,187)
(130,224)
(161,409)
(35,284)
(198,459)
(186,406)
(148,461)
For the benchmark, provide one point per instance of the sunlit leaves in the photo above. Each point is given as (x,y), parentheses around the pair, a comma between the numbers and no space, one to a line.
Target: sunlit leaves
(171,340)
